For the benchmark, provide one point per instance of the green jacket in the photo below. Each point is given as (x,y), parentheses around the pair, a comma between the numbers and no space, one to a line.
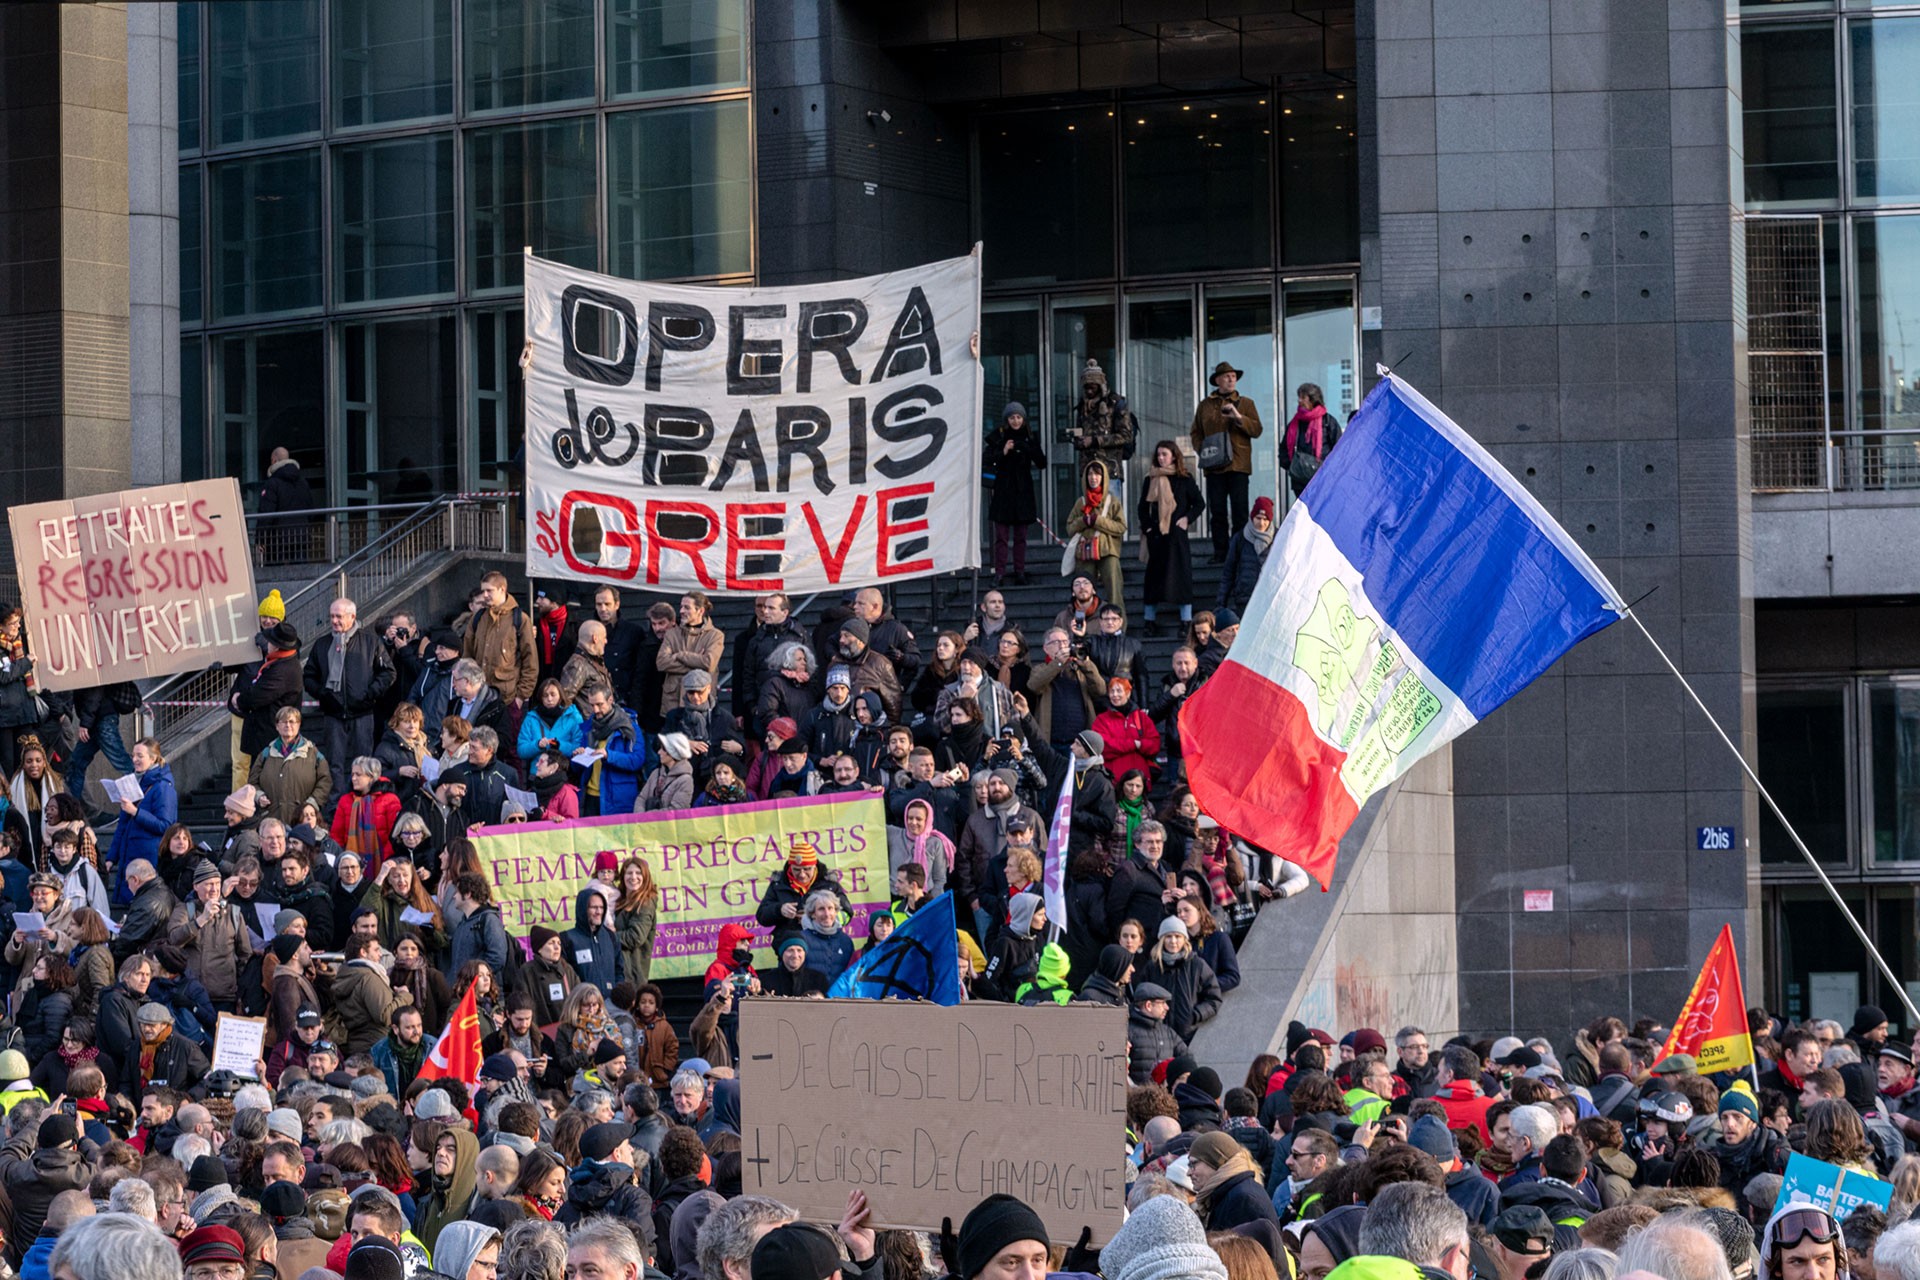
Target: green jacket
(1050,979)
(1364,1106)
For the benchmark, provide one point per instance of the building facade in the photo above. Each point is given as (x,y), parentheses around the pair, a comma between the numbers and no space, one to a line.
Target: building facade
(1651,252)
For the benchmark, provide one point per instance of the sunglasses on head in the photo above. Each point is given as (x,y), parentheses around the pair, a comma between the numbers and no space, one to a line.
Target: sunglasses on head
(1799,1224)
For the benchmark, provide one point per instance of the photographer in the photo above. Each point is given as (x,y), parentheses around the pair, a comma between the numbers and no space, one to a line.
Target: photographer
(1069,689)
(408,648)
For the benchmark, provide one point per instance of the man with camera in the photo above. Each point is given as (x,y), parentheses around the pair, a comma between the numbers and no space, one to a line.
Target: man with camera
(1225,425)
(409,649)
(1068,686)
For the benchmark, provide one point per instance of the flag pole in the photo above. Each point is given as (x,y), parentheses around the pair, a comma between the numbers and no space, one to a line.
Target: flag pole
(1899,989)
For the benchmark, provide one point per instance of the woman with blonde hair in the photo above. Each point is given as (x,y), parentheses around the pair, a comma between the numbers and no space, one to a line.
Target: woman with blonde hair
(402,747)
(584,1023)
(399,890)
(635,915)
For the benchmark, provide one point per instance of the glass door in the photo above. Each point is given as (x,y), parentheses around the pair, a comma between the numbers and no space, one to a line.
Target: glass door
(1010,362)
(1162,372)
(1240,331)
(1081,327)
(1321,346)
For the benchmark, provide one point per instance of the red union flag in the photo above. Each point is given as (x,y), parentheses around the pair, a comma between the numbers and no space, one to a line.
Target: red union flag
(456,1054)
(1712,1026)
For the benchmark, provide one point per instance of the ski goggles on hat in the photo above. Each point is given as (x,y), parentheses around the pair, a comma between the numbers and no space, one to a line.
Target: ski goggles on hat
(1798,1224)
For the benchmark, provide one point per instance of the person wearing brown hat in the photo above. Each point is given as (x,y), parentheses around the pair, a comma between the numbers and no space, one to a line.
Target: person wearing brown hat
(1229,1189)
(1104,430)
(1225,425)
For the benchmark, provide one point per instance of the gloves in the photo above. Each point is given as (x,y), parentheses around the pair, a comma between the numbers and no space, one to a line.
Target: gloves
(1082,1256)
(949,1248)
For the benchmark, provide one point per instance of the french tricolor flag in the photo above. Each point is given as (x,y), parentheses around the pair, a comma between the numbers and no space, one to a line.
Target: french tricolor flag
(1413,588)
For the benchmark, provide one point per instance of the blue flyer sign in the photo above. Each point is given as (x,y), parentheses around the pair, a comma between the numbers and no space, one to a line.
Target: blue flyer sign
(1838,1191)
(1714,839)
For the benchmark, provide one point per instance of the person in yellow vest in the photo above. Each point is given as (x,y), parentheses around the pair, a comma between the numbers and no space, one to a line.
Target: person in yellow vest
(1372,1093)
(14,1084)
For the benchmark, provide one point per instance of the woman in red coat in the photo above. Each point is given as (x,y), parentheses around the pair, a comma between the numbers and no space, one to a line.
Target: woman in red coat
(363,820)
(1132,739)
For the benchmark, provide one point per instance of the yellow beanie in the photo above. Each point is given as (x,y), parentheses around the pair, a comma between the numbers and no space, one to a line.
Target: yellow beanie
(272,607)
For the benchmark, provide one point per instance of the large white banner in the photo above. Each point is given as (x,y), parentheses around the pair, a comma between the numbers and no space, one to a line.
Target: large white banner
(748,440)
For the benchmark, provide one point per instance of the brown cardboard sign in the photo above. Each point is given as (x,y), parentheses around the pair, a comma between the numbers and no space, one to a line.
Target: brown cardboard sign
(929,1110)
(145,582)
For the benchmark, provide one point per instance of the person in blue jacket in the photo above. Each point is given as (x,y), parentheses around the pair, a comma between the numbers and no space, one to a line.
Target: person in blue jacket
(551,722)
(611,783)
(591,947)
(142,824)
(829,949)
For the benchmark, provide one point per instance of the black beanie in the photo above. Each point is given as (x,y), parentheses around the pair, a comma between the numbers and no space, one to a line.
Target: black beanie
(374,1258)
(1113,962)
(606,1051)
(284,946)
(1207,1081)
(1297,1035)
(995,1223)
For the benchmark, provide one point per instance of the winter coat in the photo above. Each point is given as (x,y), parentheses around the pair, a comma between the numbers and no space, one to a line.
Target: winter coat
(981,840)
(479,936)
(872,670)
(290,776)
(486,790)
(389,1063)
(594,955)
(42,1015)
(1134,894)
(684,649)
(828,956)
(117,1030)
(363,824)
(32,1179)
(668,787)
(657,1051)
(314,901)
(753,662)
(567,726)
(139,832)
(1132,738)
(147,919)
(260,690)
(25,953)
(1014,470)
(93,970)
(938,849)
(1245,559)
(1169,577)
(1196,992)
(1150,1041)
(1237,1199)
(1091,690)
(635,929)
(362,1004)
(619,772)
(1208,420)
(1108,528)
(217,944)
(996,705)
(779,697)
(366,673)
(500,639)
(394,754)
(539,980)
(284,493)
(1475,1194)
(16,699)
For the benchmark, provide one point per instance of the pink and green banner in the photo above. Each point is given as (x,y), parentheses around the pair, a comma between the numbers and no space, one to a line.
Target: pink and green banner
(712,866)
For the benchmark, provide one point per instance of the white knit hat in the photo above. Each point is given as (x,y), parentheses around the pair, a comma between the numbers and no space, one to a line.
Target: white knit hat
(1161,1240)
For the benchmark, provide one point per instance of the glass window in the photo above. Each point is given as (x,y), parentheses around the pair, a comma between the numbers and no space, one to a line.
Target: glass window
(682,198)
(1240,330)
(659,46)
(1888,273)
(393,219)
(1804,751)
(190,288)
(1319,178)
(392,60)
(1198,182)
(1821,963)
(1160,375)
(266,234)
(265,64)
(1083,328)
(523,53)
(529,185)
(1010,364)
(271,394)
(187,74)
(498,421)
(1319,345)
(1895,757)
(1047,195)
(193,411)
(1790,107)
(399,402)
(1886,66)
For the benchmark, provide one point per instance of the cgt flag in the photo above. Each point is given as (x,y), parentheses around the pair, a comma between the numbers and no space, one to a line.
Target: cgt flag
(1712,1025)
(1413,588)
(919,961)
(456,1054)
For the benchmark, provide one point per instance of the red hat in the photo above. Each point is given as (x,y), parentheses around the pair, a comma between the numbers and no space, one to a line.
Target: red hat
(213,1244)
(1367,1040)
(606,860)
(1326,1040)
(1263,507)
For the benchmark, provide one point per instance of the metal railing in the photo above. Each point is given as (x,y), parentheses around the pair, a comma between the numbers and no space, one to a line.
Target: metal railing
(325,535)
(398,541)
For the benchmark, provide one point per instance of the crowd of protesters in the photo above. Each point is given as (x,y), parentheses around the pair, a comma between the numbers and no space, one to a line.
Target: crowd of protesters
(344,904)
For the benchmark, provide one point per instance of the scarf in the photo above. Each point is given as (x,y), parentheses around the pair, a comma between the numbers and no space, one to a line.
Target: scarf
(337,659)
(731,793)
(363,835)
(1786,1073)
(917,845)
(71,1058)
(1090,505)
(1899,1090)
(1311,420)
(550,629)
(1261,541)
(150,1049)
(535,1206)
(1239,1162)
(587,1036)
(414,980)
(548,786)
(1133,811)
(1160,496)
(1496,1164)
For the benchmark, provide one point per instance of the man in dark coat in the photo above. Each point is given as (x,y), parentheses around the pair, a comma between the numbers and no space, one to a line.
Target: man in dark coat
(1014,455)
(35,1170)
(1150,1041)
(753,653)
(147,917)
(1139,885)
(1115,652)
(347,671)
(888,636)
(624,638)
(286,501)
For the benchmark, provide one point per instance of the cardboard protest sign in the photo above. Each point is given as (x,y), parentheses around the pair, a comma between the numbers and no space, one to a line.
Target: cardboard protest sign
(711,865)
(1838,1191)
(930,1109)
(750,440)
(239,1045)
(146,582)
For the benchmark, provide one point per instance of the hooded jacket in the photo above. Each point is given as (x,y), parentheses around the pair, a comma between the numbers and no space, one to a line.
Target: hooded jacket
(1199,1111)
(457,1245)
(500,638)
(602,1188)
(446,1202)
(1015,955)
(732,934)
(683,1234)
(1103,987)
(1049,985)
